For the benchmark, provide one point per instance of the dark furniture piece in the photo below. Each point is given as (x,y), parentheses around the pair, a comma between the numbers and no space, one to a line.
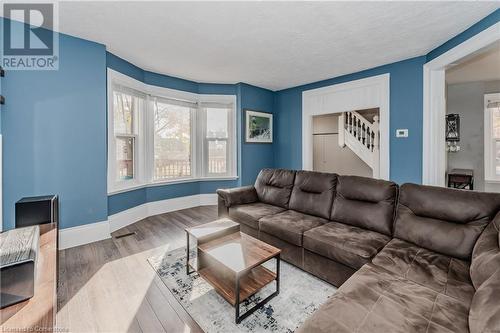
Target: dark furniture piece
(407,258)
(231,262)
(39,312)
(18,261)
(461,179)
(37,210)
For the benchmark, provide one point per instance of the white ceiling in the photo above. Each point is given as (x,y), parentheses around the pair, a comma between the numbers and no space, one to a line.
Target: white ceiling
(275,45)
(483,66)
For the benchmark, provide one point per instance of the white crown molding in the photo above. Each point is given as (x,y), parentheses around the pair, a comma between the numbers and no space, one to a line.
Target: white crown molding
(89,233)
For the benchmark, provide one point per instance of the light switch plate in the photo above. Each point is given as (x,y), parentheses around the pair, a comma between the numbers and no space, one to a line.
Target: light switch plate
(402,133)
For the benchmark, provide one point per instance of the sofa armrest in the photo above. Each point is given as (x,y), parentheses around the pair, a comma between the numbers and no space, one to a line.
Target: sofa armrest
(238,195)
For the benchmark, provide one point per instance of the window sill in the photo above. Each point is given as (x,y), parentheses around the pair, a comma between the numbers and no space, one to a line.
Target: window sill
(492,181)
(171,182)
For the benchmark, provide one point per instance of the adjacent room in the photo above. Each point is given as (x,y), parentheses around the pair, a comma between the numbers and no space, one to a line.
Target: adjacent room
(250,166)
(473,115)
(347,143)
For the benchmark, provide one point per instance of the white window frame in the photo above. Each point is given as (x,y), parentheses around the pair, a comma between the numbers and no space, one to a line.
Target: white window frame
(139,144)
(144,142)
(192,142)
(203,141)
(489,142)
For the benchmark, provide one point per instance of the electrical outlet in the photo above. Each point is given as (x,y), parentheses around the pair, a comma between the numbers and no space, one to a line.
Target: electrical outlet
(402,133)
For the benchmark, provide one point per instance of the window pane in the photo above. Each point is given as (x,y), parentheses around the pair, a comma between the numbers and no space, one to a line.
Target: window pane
(172,146)
(496,122)
(217,150)
(123,108)
(497,157)
(124,158)
(217,123)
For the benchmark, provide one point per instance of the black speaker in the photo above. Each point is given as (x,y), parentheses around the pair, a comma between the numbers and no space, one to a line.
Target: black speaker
(37,210)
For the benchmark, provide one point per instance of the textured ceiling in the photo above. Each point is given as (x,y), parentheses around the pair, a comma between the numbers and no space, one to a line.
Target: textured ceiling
(275,45)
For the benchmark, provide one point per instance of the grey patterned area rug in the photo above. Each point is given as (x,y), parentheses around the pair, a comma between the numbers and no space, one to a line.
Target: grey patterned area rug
(300,295)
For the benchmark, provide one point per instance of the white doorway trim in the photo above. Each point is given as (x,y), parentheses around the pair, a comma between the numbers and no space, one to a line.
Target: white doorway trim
(372,92)
(434,145)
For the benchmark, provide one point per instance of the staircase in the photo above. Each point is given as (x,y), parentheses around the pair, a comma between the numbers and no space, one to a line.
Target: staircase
(362,137)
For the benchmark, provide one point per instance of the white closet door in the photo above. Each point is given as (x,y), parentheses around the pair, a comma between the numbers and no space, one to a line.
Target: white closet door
(318,152)
(329,157)
(323,158)
(331,153)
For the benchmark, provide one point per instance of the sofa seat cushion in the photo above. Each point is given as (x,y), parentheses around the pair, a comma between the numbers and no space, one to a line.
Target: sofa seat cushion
(289,225)
(349,245)
(375,300)
(250,214)
(438,272)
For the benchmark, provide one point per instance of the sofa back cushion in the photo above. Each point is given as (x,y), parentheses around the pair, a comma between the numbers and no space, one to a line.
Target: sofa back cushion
(366,203)
(484,313)
(486,254)
(313,193)
(274,186)
(444,220)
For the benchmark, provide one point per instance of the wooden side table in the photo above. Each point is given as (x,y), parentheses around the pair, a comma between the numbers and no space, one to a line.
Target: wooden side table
(38,314)
(461,179)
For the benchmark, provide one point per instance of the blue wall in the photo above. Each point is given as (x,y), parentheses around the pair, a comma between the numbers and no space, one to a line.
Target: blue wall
(54,128)
(406,109)
(251,157)
(254,156)
(405,112)
(54,134)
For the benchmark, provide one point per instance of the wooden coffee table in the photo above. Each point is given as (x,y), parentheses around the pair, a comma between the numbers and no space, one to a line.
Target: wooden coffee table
(232,264)
(205,233)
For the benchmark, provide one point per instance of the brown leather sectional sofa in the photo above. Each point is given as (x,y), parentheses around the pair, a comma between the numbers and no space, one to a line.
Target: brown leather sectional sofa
(406,259)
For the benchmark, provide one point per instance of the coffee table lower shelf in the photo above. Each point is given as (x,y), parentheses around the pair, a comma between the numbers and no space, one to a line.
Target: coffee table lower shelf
(236,289)
(249,284)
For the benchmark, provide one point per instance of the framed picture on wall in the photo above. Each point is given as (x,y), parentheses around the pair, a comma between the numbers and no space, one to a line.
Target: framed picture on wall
(258,127)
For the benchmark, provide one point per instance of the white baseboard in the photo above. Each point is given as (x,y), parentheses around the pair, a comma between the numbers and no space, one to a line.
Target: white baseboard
(132,215)
(126,217)
(83,234)
(208,199)
(94,232)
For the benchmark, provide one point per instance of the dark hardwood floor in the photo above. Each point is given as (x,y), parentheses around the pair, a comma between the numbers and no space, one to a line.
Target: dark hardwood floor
(109,286)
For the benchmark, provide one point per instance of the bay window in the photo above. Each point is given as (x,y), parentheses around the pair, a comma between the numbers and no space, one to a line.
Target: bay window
(158,135)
